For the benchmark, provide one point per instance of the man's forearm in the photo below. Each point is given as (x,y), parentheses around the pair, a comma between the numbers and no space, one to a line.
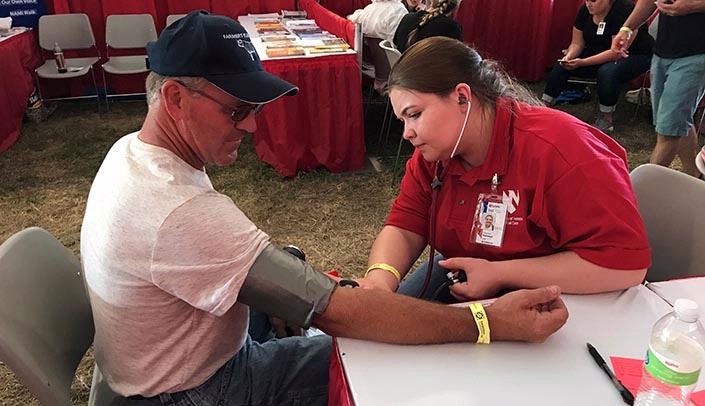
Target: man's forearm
(392,318)
(641,13)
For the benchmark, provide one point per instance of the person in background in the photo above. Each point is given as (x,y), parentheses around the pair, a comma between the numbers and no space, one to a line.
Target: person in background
(589,56)
(413,5)
(677,74)
(564,211)
(379,20)
(172,266)
(434,21)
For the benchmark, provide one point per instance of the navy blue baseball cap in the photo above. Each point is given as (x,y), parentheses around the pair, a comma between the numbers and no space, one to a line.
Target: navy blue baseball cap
(218,49)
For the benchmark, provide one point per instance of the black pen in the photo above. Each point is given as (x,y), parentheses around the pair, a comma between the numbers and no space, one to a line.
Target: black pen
(626,395)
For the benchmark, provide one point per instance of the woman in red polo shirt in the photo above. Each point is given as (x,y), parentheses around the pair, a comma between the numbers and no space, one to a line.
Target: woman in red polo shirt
(557,189)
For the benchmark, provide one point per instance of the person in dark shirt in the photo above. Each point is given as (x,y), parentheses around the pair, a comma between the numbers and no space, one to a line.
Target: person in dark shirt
(589,56)
(677,74)
(432,22)
(413,5)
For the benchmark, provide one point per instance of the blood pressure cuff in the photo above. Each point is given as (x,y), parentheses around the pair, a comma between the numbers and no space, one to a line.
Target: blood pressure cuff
(283,286)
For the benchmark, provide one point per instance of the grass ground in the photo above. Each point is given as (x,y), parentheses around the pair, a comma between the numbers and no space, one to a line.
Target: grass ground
(47,174)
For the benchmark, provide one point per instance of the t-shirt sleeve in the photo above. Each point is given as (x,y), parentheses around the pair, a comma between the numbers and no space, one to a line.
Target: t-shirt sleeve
(591,210)
(204,250)
(411,207)
(581,18)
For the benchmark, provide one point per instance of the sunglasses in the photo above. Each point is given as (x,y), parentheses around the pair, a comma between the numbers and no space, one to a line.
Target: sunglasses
(237,113)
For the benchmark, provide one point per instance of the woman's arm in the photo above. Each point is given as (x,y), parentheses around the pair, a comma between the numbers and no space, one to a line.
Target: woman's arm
(577,44)
(565,269)
(599,59)
(396,247)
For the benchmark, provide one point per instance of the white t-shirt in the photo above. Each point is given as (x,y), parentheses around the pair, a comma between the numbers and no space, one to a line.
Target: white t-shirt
(164,257)
(380,19)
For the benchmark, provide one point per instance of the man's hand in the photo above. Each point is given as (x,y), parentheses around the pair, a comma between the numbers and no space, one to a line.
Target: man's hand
(680,7)
(482,281)
(527,315)
(621,43)
(284,329)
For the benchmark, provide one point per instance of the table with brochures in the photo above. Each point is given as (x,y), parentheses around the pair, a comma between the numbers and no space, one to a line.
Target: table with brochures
(323,124)
(557,372)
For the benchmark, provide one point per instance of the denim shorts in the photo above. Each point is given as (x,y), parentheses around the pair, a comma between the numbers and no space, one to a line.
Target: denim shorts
(290,371)
(677,85)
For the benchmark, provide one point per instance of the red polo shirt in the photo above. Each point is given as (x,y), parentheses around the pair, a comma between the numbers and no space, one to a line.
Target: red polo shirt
(565,183)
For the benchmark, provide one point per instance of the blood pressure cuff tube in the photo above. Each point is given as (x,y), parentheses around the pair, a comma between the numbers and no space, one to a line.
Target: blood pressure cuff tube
(283,286)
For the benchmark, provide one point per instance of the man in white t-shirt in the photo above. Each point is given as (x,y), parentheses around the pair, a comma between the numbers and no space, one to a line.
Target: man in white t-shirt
(172,266)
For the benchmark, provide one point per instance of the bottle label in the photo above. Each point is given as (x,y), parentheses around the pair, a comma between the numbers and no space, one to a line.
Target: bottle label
(669,371)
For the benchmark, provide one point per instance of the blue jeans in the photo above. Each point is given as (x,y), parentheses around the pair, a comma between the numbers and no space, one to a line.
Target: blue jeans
(610,77)
(411,286)
(290,371)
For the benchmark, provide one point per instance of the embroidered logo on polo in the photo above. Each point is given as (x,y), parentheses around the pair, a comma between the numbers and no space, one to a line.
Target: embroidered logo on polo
(511,199)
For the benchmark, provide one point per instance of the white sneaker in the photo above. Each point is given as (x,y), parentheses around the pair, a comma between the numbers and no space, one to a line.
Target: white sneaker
(641,96)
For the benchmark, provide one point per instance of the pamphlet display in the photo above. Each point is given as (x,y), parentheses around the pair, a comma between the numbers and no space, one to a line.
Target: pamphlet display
(291,34)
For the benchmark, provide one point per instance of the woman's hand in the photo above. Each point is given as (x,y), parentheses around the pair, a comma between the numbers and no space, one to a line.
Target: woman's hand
(483,282)
(571,64)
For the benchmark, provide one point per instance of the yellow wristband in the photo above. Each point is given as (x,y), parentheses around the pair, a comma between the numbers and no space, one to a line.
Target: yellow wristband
(626,29)
(385,267)
(483,325)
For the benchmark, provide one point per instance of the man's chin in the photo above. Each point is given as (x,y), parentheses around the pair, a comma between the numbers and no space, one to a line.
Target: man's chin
(227,160)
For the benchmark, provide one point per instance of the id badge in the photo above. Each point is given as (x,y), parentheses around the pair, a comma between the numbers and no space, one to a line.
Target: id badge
(490,220)
(601,28)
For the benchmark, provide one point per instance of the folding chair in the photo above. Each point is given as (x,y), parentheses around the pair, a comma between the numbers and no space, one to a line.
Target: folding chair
(128,31)
(173,17)
(671,204)
(46,324)
(71,32)
(393,56)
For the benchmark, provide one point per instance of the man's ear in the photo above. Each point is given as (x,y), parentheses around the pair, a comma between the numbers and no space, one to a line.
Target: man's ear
(171,95)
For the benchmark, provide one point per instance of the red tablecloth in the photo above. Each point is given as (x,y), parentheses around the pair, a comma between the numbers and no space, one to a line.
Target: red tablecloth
(526,36)
(20,56)
(322,125)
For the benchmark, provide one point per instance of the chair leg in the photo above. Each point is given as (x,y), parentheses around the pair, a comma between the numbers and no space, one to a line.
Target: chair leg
(381,129)
(39,87)
(105,89)
(639,96)
(95,86)
(396,160)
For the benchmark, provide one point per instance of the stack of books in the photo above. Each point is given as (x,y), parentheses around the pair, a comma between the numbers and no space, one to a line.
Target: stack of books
(293,15)
(268,27)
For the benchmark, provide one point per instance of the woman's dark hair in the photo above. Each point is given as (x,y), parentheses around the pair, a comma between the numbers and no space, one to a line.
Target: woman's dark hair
(440,7)
(438,64)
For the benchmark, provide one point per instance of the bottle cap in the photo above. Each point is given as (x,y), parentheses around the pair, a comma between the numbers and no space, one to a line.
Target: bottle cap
(686,310)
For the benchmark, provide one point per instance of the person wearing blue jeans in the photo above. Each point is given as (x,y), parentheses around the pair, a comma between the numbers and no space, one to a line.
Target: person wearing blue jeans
(413,284)
(182,283)
(610,78)
(590,56)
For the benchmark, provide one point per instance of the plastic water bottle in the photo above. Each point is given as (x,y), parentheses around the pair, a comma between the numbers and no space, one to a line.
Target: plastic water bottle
(59,58)
(674,359)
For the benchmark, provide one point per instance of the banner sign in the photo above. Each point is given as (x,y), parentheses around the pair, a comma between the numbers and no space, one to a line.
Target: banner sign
(24,13)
